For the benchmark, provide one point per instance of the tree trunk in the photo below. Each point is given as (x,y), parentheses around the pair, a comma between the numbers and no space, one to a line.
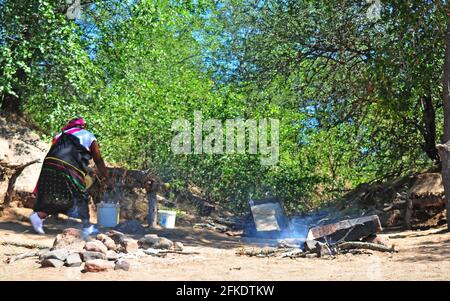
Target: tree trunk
(444,153)
(429,128)
(10,104)
(13,172)
(152,189)
(444,150)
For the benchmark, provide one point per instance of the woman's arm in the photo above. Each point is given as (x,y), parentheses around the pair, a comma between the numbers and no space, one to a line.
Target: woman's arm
(97,156)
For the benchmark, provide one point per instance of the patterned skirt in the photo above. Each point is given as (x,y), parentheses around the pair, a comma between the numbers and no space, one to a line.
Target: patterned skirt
(61,189)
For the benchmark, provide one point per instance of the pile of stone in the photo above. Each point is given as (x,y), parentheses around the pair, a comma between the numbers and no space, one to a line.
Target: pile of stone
(103,252)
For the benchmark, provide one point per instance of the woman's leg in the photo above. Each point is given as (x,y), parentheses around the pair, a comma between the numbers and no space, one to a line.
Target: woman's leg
(81,205)
(42,214)
(36,219)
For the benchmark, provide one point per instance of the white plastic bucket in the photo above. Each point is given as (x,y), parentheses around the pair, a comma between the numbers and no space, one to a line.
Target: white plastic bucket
(107,214)
(166,218)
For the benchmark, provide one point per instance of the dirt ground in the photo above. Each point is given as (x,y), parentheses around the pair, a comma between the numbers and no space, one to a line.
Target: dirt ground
(423,255)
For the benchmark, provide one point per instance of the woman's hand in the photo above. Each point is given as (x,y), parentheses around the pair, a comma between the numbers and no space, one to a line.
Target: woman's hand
(109,183)
(95,151)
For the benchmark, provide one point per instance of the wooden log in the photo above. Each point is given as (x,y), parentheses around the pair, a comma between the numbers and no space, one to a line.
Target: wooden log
(11,259)
(178,252)
(365,245)
(264,252)
(24,245)
(14,171)
(294,254)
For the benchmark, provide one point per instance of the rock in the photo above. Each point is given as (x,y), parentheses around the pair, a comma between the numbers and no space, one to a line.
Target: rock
(155,242)
(101,236)
(89,255)
(70,239)
(96,246)
(311,255)
(319,248)
(375,239)
(111,255)
(72,232)
(98,265)
(151,238)
(59,254)
(323,250)
(122,265)
(5,152)
(116,236)
(163,243)
(42,252)
(178,246)
(73,260)
(52,263)
(129,245)
(130,227)
(148,241)
(310,244)
(19,145)
(107,241)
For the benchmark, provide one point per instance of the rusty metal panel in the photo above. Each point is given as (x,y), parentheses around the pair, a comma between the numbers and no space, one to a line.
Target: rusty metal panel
(362,226)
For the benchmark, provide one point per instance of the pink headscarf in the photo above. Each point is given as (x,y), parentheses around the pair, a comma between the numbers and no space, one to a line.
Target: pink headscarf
(76,124)
(73,123)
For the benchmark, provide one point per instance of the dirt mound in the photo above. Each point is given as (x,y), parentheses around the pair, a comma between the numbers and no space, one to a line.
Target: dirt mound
(20,145)
(427,184)
(389,200)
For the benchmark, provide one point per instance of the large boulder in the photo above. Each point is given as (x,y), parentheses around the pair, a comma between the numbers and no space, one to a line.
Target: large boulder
(5,152)
(23,146)
(5,156)
(70,239)
(155,242)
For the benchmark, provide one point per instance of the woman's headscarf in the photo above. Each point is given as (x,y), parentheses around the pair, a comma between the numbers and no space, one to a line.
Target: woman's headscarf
(77,122)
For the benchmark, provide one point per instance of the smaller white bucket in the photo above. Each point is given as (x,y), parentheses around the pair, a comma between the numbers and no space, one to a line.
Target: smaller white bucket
(166,218)
(107,214)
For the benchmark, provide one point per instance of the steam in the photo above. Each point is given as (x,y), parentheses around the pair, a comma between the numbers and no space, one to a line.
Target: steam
(113,196)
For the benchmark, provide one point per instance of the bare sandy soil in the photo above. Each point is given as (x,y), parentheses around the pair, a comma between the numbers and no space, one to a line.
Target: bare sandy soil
(423,255)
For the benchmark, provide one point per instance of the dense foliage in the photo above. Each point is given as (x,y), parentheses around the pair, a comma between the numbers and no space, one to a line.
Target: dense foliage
(357,97)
